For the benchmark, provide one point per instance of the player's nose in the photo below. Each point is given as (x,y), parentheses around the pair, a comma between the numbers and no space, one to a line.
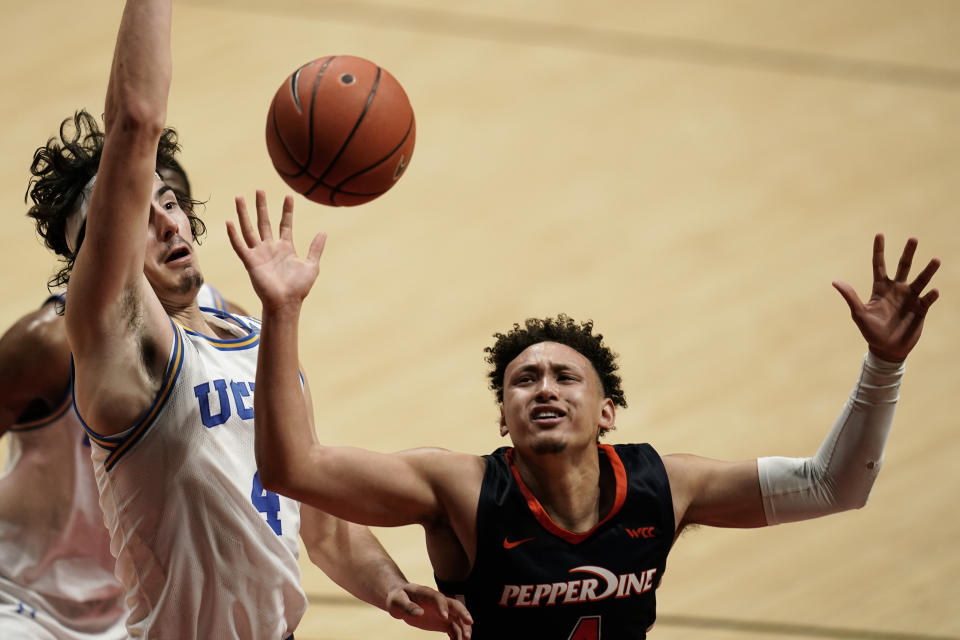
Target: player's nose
(547,388)
(164,224)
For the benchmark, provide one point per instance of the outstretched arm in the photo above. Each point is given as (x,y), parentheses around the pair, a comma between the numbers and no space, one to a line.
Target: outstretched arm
(841,474)
(354,484)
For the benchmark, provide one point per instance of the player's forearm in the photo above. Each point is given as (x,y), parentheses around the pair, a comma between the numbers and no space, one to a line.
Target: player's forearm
(353,558)
(282,427)
(841,474)
(119,205)
(140,75)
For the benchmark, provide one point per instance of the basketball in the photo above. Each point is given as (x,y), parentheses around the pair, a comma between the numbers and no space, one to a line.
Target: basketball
(340,130)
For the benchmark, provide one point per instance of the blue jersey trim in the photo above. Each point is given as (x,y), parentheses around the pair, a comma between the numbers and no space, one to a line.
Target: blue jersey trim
(249,341)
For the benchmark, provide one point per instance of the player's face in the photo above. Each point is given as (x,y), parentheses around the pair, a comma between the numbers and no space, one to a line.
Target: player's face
(170,263)
(553,400)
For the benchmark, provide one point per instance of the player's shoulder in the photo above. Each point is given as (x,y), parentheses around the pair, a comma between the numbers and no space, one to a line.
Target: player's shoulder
(441,456)
(34,363)
(38,336)
(443,463)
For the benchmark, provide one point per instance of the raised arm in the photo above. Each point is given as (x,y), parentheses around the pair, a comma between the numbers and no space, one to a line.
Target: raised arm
(354,484)
(349,483)
(841,474)
(117,327)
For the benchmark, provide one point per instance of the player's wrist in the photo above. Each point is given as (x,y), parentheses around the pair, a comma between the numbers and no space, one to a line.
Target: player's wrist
(883,361)
(285,309)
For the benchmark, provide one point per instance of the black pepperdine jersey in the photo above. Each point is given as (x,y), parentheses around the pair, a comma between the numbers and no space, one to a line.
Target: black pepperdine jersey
(534,579)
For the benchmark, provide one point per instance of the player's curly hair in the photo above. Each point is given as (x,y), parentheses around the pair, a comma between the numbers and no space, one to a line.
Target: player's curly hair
(62,168)
(564,330)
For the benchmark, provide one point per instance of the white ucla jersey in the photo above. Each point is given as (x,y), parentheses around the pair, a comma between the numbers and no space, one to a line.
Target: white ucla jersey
(209,298)
(202,550)
(56,569)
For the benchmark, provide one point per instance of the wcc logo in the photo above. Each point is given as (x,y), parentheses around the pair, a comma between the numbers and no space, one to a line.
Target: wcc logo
(218,404)
(642,532)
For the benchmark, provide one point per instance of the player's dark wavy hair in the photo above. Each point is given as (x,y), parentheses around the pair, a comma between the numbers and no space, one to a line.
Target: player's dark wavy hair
(62,168)
(564,330)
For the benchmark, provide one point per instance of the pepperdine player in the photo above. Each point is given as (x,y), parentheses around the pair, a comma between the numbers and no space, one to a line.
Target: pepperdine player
(560,536)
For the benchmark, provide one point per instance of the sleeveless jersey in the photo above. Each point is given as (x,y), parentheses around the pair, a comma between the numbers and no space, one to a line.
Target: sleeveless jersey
(533,579)
(56,570)
(202,550)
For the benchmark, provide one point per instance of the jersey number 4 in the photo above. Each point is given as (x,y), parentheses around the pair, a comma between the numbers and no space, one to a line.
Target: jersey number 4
(267,502)
(588,628)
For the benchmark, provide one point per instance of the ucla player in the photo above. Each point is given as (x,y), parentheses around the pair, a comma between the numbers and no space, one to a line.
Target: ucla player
(561,537)
(56,569)
(165,391)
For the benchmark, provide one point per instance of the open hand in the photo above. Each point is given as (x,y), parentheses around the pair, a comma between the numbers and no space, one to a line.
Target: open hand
(892,319)
(278,275)
(426,608)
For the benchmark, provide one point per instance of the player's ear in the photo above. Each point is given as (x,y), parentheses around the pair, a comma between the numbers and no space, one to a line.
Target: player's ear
(608,415)
(503,423)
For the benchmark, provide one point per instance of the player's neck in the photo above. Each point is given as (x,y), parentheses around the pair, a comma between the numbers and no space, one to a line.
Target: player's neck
(573,489)
(192,318)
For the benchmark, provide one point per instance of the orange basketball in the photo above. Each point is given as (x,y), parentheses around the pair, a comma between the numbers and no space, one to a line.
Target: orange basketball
(340,130)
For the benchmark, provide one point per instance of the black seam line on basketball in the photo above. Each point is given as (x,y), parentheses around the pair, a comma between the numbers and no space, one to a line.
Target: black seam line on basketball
(356,125)
(279,138)
(313,102)
(378,162)
(619,42)
(321,183)
(370,196)
(276,127)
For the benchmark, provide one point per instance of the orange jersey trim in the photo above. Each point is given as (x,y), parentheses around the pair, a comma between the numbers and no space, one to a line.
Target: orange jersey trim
(620,477)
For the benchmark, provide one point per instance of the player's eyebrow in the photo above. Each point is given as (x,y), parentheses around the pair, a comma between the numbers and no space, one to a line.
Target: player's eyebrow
(556,367)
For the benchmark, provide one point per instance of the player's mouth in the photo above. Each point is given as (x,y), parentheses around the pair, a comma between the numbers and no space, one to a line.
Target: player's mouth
(546,416)
(178,255)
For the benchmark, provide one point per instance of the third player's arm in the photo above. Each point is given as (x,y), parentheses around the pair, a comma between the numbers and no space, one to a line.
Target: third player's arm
(353,558)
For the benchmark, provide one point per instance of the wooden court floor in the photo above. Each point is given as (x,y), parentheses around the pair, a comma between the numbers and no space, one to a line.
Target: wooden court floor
(692,176)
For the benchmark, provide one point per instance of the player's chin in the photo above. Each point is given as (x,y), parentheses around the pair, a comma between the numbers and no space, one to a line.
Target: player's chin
(186,282)
(548,444)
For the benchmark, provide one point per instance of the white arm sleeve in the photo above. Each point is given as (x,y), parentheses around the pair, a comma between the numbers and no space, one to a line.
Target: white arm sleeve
(841,475)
